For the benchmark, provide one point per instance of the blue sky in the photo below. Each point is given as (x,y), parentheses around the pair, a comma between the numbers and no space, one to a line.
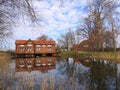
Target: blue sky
(57,18)
(54,18)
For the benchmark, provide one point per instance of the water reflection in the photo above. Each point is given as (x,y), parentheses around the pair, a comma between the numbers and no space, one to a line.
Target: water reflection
(91,74)
(85,62)
(62,74)
(34,64)
(103,75)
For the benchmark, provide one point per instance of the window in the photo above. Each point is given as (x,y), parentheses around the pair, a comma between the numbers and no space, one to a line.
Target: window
(29,62)
(21,62)
(49,48)
(37,47)
(29,48)
(37,61)
(22,48)
(49,62)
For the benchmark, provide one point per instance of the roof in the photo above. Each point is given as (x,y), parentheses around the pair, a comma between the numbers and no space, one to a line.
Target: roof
(84,42)
(35,41)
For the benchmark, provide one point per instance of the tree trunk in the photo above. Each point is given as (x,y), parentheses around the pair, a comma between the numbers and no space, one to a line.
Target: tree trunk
(114,42)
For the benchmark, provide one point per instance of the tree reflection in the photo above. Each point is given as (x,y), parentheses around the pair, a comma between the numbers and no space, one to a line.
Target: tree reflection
(102,75)
(70,67)
(76,73)
(117,76)
(90,74)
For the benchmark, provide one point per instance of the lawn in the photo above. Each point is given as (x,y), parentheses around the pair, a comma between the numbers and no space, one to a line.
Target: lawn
(100,55)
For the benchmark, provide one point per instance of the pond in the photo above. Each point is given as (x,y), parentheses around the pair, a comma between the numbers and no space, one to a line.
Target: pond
(57,73)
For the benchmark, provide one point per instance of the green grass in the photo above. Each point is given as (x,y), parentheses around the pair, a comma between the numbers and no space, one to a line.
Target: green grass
(106,55)
(100,55)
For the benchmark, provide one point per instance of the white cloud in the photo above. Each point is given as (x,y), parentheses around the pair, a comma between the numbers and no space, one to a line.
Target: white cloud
(56,17)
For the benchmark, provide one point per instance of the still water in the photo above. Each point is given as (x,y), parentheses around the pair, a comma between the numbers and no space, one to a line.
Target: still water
(56,73)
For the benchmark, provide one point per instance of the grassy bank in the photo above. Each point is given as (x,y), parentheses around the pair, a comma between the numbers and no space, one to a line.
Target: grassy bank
(106,55)
(5,53)
(4,69)
(100,55)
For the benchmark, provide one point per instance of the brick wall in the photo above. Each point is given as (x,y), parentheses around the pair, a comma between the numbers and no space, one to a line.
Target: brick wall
(29,47)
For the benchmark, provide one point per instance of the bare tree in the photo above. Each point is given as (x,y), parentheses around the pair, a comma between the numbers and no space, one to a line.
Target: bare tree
(71,36)
(97,21)
(9,10)
(67,40)
(78,36)
(43,37)
(63,41)
(113,19)
(108,43)
(86,27)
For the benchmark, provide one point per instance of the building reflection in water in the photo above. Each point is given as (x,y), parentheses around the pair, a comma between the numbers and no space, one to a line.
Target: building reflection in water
(35,64)
(84,62)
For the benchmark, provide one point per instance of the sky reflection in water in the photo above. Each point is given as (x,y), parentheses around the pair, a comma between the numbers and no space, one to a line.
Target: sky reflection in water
(65,74)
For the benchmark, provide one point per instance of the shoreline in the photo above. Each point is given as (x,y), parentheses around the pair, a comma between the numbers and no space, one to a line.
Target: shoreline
(97,55)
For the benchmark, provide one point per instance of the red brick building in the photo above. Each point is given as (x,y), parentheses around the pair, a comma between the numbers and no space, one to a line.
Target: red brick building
(35,46)
(83,46)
